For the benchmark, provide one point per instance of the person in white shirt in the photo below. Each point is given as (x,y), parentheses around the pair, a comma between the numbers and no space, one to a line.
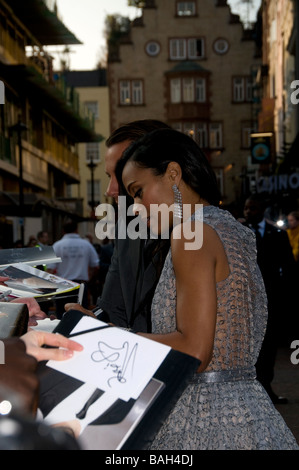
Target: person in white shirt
(80,259)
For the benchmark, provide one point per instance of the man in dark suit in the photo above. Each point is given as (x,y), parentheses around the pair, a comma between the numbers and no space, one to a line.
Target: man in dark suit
(132,275)
(274,257)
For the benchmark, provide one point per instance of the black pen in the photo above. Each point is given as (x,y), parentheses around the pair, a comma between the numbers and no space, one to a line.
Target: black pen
(89,331)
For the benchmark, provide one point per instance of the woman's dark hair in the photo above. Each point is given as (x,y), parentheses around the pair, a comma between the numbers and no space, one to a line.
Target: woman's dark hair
(160,147)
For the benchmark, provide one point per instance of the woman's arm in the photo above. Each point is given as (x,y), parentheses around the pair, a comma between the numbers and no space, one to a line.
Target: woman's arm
(197,272)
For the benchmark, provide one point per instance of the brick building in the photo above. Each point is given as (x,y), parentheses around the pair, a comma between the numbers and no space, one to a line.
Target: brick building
(192,65)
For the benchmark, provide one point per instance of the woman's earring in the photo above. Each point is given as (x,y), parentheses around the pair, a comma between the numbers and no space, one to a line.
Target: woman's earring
(178,205)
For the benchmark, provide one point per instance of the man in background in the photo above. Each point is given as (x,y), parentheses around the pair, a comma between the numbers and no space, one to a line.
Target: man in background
(42,238)
(79,261)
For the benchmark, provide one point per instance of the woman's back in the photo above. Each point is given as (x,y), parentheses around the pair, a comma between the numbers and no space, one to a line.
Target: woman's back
(241,300)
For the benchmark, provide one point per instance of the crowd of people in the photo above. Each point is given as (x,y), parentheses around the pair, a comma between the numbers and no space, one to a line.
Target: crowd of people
(218,303)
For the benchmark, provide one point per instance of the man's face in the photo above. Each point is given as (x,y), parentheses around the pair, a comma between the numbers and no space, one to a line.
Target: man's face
(253,212)
(292,222)
(112,156)
(45,238)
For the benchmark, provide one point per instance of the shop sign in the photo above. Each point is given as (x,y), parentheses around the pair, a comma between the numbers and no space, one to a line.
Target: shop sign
(276,183)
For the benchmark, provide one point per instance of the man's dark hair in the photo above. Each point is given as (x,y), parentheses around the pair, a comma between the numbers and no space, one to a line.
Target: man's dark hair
(70,226)
(41,233)
(134,130)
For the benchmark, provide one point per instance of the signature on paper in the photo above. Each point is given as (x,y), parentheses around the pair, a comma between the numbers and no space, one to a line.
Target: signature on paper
(121,360)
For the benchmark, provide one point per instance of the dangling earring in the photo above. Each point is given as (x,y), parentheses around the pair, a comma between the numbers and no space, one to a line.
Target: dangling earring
(178,206)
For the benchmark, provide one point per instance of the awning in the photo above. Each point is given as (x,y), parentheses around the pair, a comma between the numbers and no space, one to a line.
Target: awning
(35,204)
(43,23)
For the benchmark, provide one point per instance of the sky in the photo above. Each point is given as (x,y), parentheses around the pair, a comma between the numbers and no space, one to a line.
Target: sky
(85,18)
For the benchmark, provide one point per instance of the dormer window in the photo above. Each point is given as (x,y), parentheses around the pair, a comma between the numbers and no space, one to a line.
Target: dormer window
(186,48)
(186,8)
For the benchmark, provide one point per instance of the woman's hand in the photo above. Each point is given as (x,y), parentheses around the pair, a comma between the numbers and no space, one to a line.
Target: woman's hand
(79,307)
(62,347)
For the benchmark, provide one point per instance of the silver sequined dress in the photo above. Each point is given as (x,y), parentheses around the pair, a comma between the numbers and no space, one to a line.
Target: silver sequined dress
(217,411)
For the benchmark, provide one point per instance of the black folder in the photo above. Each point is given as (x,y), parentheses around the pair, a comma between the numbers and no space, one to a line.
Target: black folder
(129,425)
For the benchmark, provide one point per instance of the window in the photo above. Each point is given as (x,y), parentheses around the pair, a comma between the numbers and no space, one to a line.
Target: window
(131,92)
(247,130)
(175,90)
(93,107)
(125,95)
(195,48)
(238,89)
(242,89)
(69,191)
(137,92)
(200,90)
(220,180)
(185,8)
(181,49)
(215,135)
(189,129)
(178,49)
(202,135)
(188,90)
(207,135)
(93,152)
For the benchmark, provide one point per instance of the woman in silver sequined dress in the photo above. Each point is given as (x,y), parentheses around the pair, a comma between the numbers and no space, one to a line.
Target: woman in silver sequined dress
(209,303)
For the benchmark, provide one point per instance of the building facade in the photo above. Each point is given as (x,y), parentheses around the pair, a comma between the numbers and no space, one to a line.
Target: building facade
(192,65)
(92,88)
(41,123)
(280,111)
(278,80)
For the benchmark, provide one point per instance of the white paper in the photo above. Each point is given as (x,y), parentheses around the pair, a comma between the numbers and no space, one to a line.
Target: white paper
(113,359)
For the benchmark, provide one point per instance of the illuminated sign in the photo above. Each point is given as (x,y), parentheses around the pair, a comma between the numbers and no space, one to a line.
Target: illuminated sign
(276,183)
(261,148)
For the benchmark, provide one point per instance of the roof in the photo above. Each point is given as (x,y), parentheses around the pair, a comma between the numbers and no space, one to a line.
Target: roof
(34,204)
(187,66)
(86,78)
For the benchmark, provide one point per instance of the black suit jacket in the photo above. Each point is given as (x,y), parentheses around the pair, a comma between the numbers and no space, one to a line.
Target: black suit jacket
(128,283)
(277,265)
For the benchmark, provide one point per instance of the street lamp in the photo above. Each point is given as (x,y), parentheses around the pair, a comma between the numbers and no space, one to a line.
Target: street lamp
(92,165)
(19,128)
